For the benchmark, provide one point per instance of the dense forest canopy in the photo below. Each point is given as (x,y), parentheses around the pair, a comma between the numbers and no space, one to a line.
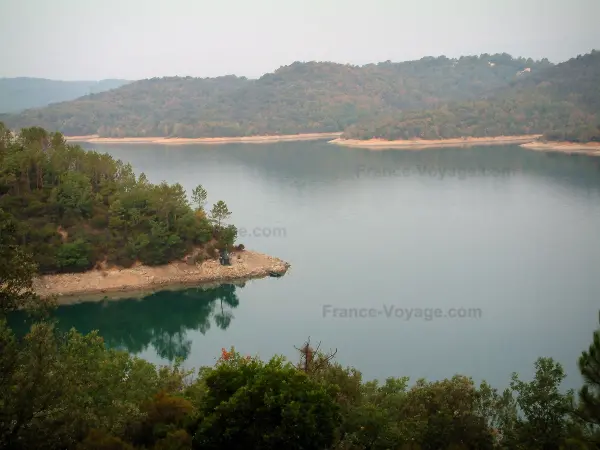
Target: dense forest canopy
(561,102)
(301,97)
(78,209)
(18,94)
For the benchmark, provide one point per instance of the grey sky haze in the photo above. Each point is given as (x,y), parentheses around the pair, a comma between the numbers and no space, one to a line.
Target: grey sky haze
(133,39)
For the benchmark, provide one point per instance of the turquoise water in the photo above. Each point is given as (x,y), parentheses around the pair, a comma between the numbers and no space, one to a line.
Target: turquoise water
(507,237)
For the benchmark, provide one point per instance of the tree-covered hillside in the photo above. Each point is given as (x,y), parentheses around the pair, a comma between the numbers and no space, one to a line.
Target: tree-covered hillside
(561,102)
(76,209)
(18,94)
(301,97)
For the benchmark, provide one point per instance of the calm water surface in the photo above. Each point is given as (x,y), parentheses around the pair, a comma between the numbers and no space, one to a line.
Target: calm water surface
(515,234)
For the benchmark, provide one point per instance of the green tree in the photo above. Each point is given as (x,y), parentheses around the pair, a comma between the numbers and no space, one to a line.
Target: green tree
(589,395)
(163,246)
(163,421)
(98,440)
(220,212)
(499,410)
(57,388)
(251,404)
(16,268)
(227,236)
(375,418)
(446,413)
(199,196)
(74,256)
(545,409)
(74,194)
(174,440)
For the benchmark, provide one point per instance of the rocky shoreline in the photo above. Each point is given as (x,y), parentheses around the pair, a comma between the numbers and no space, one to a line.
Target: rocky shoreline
(97,284)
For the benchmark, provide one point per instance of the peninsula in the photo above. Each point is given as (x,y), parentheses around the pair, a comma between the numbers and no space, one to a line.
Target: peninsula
(77,287)
(92,226)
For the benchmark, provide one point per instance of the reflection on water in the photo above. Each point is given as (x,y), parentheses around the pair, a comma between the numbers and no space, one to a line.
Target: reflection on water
(160,320)
(319,165)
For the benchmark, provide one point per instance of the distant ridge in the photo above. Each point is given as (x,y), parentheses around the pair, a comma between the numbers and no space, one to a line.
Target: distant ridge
(20,93)
(431,98)
(561,102)
(303,97)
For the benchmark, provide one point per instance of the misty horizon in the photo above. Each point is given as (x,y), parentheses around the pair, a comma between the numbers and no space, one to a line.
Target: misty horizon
(291,63)
(133,40)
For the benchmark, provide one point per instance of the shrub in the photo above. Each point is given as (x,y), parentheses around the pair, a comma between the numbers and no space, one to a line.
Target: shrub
(74,256)
(251,404)
(98,440)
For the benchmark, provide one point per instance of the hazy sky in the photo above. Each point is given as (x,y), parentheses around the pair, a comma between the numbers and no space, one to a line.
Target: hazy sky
(133,39)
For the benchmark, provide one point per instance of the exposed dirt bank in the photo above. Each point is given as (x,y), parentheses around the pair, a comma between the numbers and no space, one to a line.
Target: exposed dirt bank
(74,288)
(590,148)
(420,144)
(95,139)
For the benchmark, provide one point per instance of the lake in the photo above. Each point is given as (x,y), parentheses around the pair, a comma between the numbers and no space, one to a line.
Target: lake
(505,237)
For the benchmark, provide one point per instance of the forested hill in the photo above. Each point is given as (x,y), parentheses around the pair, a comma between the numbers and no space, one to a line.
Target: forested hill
(77,209)
(561,102)
(301,97)
(18,94)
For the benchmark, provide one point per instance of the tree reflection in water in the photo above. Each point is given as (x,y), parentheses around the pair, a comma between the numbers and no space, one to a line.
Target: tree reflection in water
(160,320)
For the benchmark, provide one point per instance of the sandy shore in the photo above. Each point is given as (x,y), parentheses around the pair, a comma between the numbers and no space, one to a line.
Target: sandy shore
(419,144)
(95,139)
(589,148)
(529,141)
(74,288)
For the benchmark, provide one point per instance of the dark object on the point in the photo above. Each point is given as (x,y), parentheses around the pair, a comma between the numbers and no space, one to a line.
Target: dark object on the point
(275,274)
(224,258)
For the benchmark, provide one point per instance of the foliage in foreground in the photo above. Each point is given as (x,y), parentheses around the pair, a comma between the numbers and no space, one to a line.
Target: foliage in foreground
(69,391)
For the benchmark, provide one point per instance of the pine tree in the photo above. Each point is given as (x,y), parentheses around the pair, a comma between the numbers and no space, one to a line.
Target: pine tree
(220,212)
(16,268)
(589,395)
(199,195)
